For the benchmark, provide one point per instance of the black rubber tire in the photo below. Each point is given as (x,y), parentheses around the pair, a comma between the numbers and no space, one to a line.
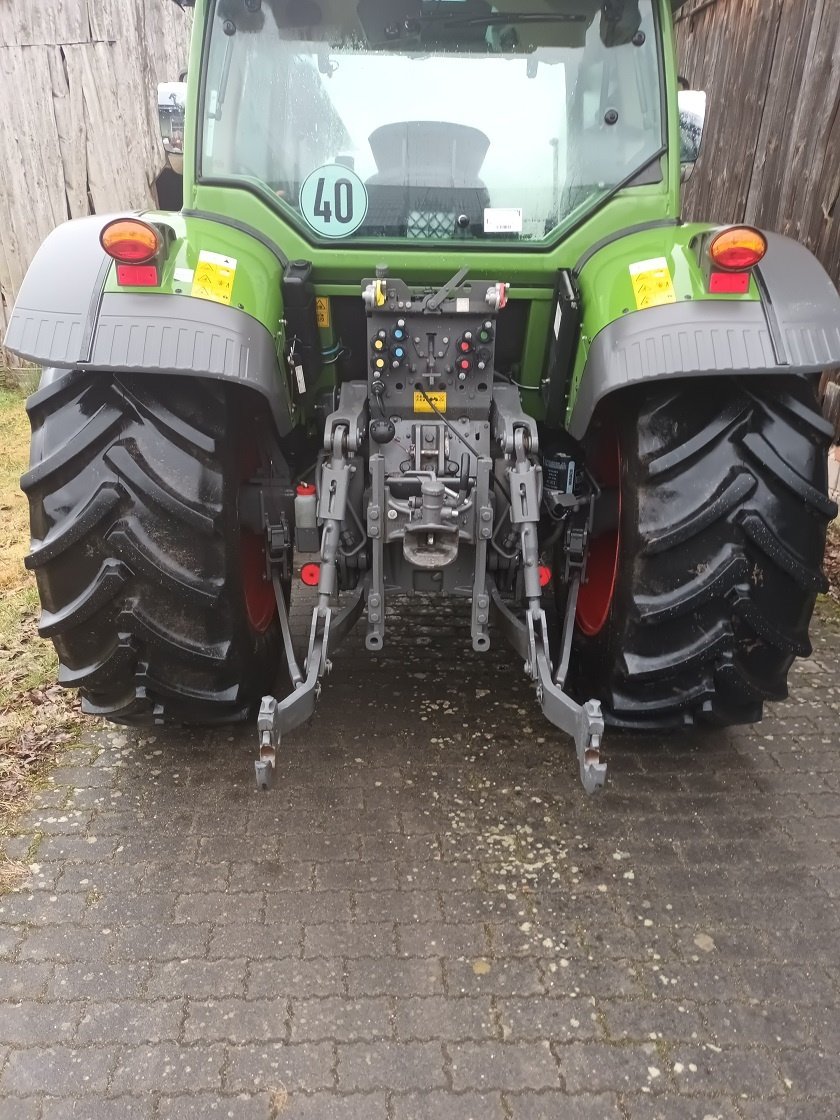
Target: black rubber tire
(133,490)
(723,527)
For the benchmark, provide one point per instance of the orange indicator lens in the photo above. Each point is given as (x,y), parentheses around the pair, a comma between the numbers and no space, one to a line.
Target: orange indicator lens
(130,241)
(738,248)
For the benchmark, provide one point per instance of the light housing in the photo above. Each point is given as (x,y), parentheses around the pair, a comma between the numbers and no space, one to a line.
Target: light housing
(131,241)
(738,248)
(310,574)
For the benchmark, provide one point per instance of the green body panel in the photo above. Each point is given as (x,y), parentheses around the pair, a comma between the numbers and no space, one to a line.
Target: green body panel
(338,267)
(607,288)
(256,286)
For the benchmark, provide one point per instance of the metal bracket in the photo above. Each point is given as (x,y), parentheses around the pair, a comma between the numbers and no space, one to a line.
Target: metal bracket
(585,722)
(376,531)
(484,530)
(507,416)
(278,717)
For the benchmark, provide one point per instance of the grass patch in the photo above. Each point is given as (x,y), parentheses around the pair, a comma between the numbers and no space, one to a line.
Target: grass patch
(832,560)
(36,716)
(14,515)
(830,603)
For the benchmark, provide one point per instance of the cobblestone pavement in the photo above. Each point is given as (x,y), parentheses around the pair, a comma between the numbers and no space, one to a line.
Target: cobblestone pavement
(427,920)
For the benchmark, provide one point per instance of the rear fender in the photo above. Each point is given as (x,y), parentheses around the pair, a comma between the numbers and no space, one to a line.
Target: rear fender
(793,329)
(65,317)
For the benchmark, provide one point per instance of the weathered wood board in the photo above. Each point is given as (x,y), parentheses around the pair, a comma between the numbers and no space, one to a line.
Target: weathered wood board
(79,126)
(771,153)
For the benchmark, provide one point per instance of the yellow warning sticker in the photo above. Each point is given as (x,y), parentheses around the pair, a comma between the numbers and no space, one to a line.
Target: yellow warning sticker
(322,310)
(652,283)
(437,399)
(214,275)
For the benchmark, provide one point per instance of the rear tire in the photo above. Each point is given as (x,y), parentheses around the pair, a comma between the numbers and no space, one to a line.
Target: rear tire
(723,525)
(133,489)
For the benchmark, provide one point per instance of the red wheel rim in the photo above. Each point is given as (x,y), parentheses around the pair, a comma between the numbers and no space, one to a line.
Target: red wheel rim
(260,604)
(596,595)
(259,592)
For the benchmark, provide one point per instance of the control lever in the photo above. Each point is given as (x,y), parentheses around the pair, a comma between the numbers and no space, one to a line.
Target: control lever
(435,302)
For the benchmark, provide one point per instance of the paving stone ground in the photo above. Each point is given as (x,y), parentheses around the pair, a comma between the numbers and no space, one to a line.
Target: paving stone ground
(426,919)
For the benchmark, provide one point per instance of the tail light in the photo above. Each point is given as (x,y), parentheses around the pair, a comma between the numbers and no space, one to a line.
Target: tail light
(738,249)
(135,246)
(130,241)
(730,256)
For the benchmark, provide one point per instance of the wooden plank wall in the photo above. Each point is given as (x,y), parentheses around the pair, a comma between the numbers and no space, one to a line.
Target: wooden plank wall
(771,152)
(79,126)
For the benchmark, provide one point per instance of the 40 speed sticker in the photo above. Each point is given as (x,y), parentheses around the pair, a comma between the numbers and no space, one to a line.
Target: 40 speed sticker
(334,200)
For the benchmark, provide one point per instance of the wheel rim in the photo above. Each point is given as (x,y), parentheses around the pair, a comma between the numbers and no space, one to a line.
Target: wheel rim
(260,604)
(596,595)
(257,588)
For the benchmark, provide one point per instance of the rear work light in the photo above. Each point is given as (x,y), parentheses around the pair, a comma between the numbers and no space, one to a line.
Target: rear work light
(130,241)
(738,249)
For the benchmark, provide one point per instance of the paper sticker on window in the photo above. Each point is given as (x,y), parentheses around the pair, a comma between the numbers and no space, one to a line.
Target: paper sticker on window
(334,200)
(652,283)
(214,276)
(503,219)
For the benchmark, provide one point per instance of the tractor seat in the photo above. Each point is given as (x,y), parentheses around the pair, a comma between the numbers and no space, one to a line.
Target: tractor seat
(427,178)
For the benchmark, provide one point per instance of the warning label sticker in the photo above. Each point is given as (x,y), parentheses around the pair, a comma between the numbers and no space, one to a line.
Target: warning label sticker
(322,310)
(437,399)
(652,283)
(214,276)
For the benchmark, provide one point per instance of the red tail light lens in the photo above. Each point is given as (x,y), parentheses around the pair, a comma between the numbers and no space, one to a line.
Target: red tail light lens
(130,241)
(739,248)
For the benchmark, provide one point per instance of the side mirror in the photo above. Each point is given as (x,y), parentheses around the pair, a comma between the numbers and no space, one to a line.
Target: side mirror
(692,122)
(172,101)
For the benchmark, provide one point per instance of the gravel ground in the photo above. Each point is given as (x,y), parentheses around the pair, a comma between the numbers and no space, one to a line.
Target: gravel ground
(426,918)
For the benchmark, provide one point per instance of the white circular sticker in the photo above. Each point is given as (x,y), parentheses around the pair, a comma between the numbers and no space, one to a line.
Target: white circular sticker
(334,200)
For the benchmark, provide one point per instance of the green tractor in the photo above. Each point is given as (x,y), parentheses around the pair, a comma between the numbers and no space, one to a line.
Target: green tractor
(429,323)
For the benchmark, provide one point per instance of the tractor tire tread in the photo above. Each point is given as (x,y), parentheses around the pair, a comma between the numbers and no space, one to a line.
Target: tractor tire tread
(133,491)
(711,611)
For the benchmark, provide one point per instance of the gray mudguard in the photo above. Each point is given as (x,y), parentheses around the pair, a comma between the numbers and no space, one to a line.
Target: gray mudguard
(55,313)
(794,330)
(63,318)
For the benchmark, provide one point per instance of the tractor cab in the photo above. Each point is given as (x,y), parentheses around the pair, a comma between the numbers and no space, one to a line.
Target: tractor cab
(456,122)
